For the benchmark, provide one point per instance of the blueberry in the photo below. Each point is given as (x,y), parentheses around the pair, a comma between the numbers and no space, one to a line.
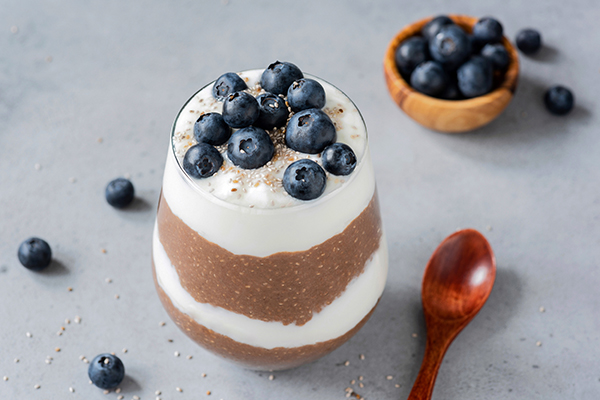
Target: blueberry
(279,76)
(476,44)
(119,192)
(227,84)
(412,52)
(559,100)
(310,131)
(305,93)
(450,47)
(339,159)
(35,254)
(304,179)
(488,30)
(106,371)
(211,128)
(202,160)
(273,111)
(250,148)
(451,92)
(475,77)
(497,55)
(240,109)
(433,27)
(529,41)
(429,78)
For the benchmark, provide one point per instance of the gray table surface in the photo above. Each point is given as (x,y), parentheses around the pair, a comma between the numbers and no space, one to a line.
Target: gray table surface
(88,92)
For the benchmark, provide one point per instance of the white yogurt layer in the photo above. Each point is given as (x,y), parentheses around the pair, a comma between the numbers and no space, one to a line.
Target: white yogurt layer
(343,314)
(262,187)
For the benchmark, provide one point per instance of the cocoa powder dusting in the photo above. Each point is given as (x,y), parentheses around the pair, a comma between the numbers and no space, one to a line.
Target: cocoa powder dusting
(287,287)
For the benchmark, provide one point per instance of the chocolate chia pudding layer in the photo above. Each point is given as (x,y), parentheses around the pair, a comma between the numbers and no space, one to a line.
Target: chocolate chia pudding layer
(248,356)
(286,287)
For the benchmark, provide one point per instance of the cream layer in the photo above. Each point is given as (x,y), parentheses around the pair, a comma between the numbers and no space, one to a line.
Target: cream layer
(333,321)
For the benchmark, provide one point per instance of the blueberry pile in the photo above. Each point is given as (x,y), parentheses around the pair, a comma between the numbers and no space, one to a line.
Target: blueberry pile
(446,62)
(291,102)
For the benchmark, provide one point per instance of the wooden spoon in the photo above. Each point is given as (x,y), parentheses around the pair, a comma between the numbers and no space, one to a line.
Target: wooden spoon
(458,280)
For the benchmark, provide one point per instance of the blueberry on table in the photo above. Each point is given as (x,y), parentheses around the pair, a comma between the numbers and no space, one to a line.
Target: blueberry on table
(119,192)
(559,100)
(497,55)
(202,160)
(488,30)
(304,179)
(450,47)
(310,131)
(226,84)
(412,52)
(240,109)
(106,371)
(475,77)
(305,93)
(273,111)
(339,159)
(278,77)
(429,78)
(433,27)
(211,128)
(250,148)
(35,254)
(529,41)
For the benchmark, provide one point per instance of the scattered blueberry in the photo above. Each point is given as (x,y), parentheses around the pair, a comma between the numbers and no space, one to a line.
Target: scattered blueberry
(211,128)
(273,111)
(35,254)
(412,52)
(228,83)
(250,148)
(475,77)
(106,371)
(529,41)
(279,76)
(433,27)
(240,109)
(119,192)
(488,30)
(339,159)
(310,131)
(559,100)
(450,47)
(202,160)
(305,93)
(497,55)
(429,78)
(304,179)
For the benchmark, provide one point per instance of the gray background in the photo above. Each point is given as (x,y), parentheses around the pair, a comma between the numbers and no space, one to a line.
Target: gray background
(120,71)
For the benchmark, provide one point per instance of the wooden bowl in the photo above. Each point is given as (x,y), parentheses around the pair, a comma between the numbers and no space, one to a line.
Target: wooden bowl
(449,116)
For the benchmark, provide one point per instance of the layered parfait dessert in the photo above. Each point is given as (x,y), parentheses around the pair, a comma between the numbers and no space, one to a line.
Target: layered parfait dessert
(268,248)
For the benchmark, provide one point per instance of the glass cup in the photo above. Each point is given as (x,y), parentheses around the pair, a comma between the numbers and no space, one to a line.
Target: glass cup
(255,275)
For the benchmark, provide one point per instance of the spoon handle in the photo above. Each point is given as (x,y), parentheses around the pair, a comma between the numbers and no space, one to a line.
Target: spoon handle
(434,353)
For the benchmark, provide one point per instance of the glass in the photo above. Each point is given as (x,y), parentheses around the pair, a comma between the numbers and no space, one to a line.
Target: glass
(252,274)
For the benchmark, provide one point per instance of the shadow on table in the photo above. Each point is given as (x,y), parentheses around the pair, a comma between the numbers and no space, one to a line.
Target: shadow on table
(129,385)
(56,268)
(519,137)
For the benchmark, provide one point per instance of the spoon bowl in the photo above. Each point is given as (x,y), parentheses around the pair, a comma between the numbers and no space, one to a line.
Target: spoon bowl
(459,276)
(457,282)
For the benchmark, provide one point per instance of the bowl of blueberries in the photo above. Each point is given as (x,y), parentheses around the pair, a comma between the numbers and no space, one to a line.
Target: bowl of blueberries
(452,73)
